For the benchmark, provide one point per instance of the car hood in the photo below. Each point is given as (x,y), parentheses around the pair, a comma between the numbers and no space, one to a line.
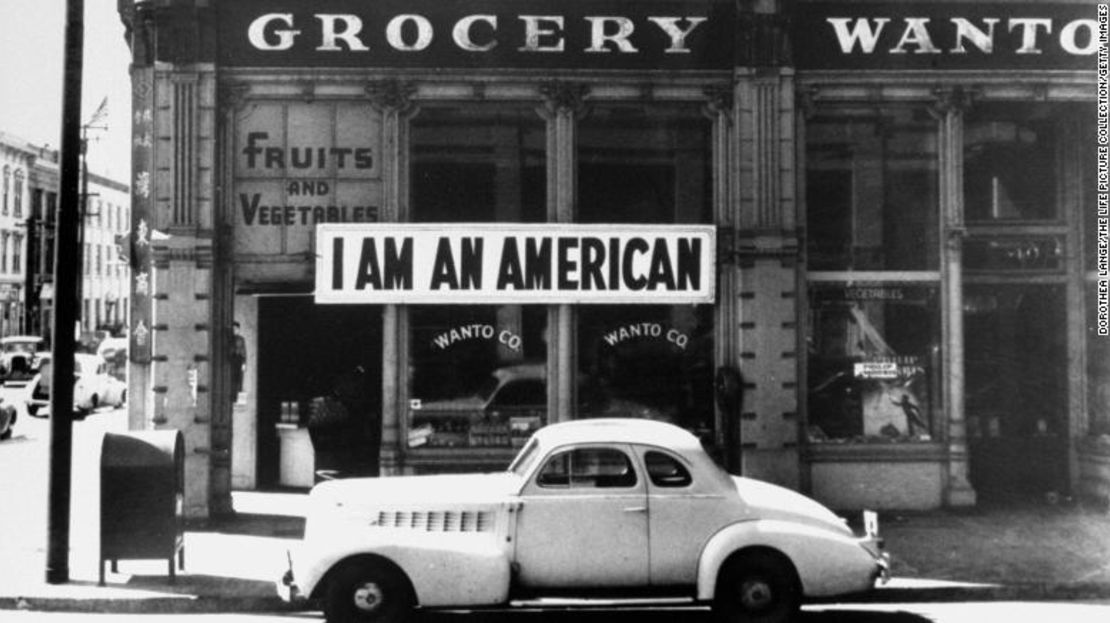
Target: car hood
(769,501)
(448,492)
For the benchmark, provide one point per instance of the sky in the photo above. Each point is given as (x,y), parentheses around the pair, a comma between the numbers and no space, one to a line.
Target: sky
(31,69)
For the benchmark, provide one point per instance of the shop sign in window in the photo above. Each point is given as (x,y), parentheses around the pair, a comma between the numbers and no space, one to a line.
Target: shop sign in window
(873,362)
(1026,253)
(298,165)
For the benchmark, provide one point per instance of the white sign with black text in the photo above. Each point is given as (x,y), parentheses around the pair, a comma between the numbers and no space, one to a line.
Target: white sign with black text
(452,263)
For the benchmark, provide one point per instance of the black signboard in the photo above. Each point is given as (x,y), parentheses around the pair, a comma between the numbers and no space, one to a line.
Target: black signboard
(944,36)
(594,34)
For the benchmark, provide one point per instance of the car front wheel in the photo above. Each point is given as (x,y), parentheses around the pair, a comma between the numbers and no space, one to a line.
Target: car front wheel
(368,591)
(759,586)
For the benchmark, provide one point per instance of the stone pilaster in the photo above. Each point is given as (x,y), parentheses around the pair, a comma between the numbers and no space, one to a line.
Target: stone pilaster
(949,111)
(393,100)
(766,254)
(564,104)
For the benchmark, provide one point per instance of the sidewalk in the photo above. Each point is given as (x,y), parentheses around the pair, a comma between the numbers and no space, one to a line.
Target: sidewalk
(1034,553)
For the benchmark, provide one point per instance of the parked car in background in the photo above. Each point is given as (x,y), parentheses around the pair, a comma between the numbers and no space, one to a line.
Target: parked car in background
(609,506)
(514,393)
(30,348)
(114,352)
(93,386)
(8,415)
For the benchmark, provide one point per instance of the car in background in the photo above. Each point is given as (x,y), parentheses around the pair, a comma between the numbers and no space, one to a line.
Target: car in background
(93,386)
(602,507)
(517,393)
(29,348)
(114,352)
(8,415)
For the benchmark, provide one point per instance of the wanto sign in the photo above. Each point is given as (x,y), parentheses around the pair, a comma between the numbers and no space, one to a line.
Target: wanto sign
(448,263)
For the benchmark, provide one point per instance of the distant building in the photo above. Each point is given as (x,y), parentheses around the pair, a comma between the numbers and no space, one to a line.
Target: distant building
(27,232)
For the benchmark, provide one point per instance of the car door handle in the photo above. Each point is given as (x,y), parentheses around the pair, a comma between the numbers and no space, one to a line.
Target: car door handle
(636,509)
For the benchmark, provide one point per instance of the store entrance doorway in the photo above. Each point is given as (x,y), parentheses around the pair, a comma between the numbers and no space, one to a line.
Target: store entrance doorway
(1015,362)
(319,390)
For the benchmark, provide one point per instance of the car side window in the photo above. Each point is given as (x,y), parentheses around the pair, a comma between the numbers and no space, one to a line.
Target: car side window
(588,468)
(666,471)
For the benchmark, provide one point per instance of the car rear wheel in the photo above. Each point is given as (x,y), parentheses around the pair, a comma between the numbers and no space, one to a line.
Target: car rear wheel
(759,586)
(368,591)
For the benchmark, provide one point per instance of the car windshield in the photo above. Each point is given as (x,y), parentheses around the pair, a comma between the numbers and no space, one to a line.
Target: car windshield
(20,347)
(524,460)
(486,389)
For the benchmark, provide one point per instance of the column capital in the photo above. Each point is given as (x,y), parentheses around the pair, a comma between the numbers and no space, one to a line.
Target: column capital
(564,97)
(391,95)
(954,100)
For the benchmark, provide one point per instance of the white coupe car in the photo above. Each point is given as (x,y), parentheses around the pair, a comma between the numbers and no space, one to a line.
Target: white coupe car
(93,387)
(593,507)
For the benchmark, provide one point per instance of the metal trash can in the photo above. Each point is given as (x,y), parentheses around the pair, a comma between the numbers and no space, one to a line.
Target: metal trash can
(142,490)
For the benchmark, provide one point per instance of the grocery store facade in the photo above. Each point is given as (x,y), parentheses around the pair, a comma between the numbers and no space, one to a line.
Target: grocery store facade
(847,244)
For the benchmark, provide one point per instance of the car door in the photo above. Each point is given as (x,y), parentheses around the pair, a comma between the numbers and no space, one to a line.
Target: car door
(583,521)
(685,511)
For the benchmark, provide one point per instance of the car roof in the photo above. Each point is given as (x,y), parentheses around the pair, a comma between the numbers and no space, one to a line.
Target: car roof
(619,430)
(19,339)
(521,371)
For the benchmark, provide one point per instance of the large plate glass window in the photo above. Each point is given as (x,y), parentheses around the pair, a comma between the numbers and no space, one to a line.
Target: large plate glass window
(872,243)
(1011,163)
(871,190)
(646,164)
(476,373)
(873,362)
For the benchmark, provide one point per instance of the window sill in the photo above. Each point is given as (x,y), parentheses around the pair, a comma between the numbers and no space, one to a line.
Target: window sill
(875,452)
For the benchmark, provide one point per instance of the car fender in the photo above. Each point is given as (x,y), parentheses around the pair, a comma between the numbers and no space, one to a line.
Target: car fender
(827,563)
(444,569)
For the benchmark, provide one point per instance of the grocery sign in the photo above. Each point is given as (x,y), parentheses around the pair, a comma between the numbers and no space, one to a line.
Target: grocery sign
(606,34)
(451,263)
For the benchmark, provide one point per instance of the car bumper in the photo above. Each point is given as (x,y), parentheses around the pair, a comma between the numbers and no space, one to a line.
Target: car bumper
(873,545)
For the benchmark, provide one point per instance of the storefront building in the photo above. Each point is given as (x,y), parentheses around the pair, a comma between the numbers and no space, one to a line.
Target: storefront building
(845,243)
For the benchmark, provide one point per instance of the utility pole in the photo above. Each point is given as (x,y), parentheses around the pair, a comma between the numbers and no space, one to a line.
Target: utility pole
(65,283)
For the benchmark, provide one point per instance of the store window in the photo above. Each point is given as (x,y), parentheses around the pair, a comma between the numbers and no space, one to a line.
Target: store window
(872,241)
(872,190)
(477,373)
(646,164)
(17,208)
(1011,167)
(873,365)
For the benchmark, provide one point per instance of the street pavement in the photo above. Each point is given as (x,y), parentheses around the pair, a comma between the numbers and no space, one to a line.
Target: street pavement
(1031,551)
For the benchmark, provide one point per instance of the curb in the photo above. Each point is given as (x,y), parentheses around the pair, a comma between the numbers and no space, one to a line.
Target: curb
(1033,591)
(188,604)
(150,605)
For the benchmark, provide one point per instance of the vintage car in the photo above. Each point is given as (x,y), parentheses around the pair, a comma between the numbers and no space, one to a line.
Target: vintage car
(93,387)
(27,348)
(516,397)
(608,506)
(8,416)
